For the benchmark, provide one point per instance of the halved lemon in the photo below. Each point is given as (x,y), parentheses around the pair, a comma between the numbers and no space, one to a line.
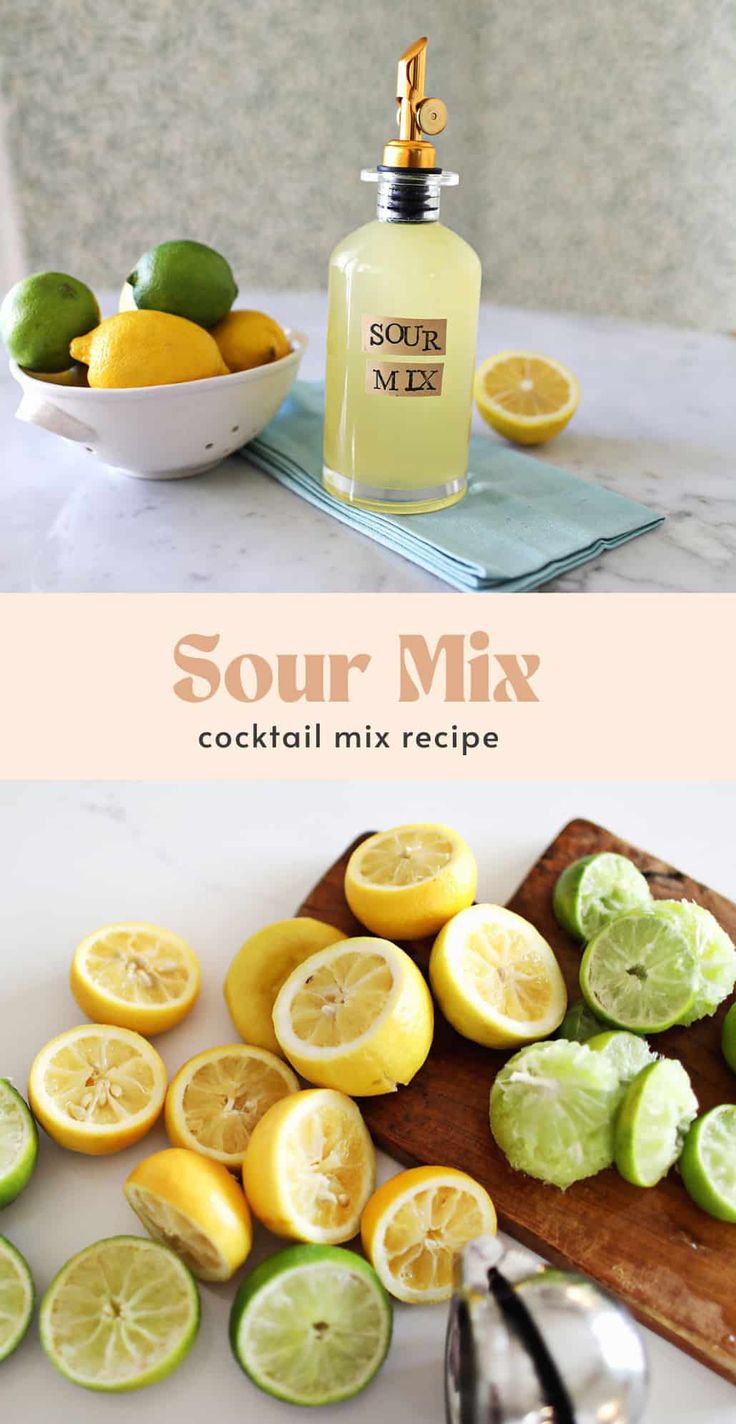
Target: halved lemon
(417,1223)
(97,1088)
(217,1097)
(496,979)
(195,1207)
(260,967)
(137,976)
(357,1016)
(526,397)
(310,1167)
(408,882)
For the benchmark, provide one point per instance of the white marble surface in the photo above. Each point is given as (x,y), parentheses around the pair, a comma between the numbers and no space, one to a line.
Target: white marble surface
(215,862)
(657,422)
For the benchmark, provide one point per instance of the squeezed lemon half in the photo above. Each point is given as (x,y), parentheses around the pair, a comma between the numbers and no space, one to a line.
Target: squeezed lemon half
(195,1207)
(407,882)
(417,1223)
(357,1016)
(97,1088)
(217,1097)
(310,1167)
(135,975)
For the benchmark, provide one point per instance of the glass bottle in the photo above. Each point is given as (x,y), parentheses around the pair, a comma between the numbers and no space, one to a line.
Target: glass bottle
(403,314)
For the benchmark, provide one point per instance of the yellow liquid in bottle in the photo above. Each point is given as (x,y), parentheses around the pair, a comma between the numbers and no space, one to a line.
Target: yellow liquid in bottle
(400,454)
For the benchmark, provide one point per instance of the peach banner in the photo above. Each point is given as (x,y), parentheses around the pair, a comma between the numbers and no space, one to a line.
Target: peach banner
(364,686)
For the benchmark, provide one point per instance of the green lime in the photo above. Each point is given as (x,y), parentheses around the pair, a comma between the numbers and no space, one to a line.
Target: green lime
(640,972)
(728,1038)
(121,1314)
(627,1052)
(311,1325)
(18,1144)
(17,1298)
(552,1111)
(708,1162)
(714,952)
(185,278)
(597,889)
(41,315)
(579,1023)
(653,1121)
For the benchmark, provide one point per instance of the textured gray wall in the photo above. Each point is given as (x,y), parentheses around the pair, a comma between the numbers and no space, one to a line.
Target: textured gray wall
(596,142)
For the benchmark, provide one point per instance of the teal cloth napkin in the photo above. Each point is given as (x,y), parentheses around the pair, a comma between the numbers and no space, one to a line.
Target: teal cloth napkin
(521,523)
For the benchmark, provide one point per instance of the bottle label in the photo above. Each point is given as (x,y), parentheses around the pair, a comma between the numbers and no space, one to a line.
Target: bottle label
(402,378)
(405,336)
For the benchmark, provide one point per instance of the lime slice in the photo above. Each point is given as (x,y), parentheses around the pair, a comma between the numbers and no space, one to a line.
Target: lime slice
(627,1052)
(639,973)
(597,889)
(18,1144)
(728,1038)
(17,1298)
(121,1314)
(552,1111)
(652,1124)
(708,1162)
(312,1325)
(579,1023)
(714,951)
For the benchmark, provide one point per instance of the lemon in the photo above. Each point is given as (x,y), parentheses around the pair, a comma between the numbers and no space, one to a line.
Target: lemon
(184,278)
(310,1167)
(526,397)
(137,976)
(357,1016)
(216,1099)
(195,1207)
(496,979)
(416,1224)
(41,315)
(408,882)
(259,969)
(97,1088)
(147,348)
(250,338)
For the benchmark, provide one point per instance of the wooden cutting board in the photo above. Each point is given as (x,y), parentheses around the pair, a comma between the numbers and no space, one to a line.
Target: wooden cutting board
(673,1265)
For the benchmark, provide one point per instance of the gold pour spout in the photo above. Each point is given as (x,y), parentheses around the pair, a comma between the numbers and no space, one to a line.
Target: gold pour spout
(416,113)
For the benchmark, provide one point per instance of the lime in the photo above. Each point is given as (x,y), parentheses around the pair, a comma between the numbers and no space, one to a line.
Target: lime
(597,889)
(713,949)
(186,279)
(579,1022)
(17,1298)
(656,1112)
(708,1162)
(627,1052)
(639,972)
(552,1111)
(121,1314)
(18,1144)
(728,1037)
(312,1325)
(41,315)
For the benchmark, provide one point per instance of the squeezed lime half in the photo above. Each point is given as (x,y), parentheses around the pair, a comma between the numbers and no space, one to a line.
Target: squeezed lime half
(714,951)
(552,1111)
(311,1325)
(640,973)
(597,889)
(653,1121)
(18,1143)
(121,1314)
(627,1052)
(708,1162)
(728,1037)
(17,1298)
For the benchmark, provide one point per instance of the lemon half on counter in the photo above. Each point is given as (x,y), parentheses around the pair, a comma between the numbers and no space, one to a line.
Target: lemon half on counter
(526,397)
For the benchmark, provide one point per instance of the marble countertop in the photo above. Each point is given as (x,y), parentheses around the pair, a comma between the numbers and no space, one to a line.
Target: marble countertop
(215,861)
(657,422)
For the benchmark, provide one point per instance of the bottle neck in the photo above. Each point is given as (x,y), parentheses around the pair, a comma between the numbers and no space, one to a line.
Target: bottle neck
(408,196)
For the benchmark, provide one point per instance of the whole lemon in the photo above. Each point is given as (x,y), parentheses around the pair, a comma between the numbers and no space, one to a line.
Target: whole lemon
(41,315)
(147,348)
(186,279)
(250,338)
